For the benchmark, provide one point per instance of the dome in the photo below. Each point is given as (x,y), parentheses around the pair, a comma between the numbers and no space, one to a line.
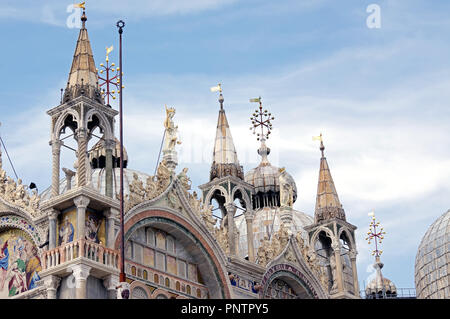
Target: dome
(98,181)
(376,288)
(266,222)
(265,180)
(432,275)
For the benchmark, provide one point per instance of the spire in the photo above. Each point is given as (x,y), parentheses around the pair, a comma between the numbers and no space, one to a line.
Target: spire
(328,205)
(83,78)
(225,160)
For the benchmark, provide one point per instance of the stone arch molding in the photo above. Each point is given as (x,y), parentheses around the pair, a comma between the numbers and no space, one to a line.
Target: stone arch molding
(12,221)
(60,122)
(214,261)
(104,123)
(345,231)
(327,231)
(222,190)
(299,264)
(245,196)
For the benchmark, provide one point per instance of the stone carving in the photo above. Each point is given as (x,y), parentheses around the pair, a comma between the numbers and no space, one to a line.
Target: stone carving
(286,189)
(184,179)
(289,255)
(207,217)
(333,273)
(155,185)
(222,238)
(173,200)
(311,260)
(17,194)
(171,138)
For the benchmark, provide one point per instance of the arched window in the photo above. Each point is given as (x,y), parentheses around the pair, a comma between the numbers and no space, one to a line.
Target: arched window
(188,289)
(167,282)
(139,293)
(199,293)
(133,271)
(145,274)
(156,279)
(178,286)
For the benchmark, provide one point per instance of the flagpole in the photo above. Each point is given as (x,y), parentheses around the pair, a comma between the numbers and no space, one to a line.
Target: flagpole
(122,277)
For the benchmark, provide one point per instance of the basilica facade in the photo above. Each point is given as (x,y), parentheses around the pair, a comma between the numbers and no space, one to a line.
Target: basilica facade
(239,238)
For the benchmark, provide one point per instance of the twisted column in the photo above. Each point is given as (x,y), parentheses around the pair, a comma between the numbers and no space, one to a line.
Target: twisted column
(82,157)
(56,155)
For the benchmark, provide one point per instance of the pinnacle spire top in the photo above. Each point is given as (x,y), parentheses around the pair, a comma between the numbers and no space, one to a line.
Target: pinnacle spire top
(328,205)
(83,78)
(225,160)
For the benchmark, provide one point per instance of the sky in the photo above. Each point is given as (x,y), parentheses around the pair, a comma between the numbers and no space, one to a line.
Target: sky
(379,96)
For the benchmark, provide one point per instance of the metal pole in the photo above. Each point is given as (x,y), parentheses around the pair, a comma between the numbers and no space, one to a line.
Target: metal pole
(122,277)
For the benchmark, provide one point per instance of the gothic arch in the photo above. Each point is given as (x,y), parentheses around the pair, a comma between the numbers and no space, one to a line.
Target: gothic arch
(245,197)
(60,123)
(328,233)
(104,124)
(349,236)
(222,190)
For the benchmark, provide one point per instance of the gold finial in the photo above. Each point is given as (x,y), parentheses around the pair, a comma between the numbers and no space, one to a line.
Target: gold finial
(261,119)
(320,138)
(376,233)
(218,88)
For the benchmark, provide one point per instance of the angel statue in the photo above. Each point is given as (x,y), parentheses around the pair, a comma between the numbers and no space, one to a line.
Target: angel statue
(171,138)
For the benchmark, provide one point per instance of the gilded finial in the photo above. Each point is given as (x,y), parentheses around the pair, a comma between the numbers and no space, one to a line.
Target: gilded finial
(218,88)
(261,119)
(320,138)
(375,233)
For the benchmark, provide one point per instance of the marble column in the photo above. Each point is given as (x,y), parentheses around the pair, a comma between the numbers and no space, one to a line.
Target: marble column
(110,216)
(353,254)
(339,274)
(52,215)
(56,157)
(231,210)
(51,283)
(81,273)
(81,202)
(109,145)
(250,237)
(111,282)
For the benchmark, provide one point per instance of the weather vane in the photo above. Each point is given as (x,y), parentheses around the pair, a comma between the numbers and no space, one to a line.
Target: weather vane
(320,138)
(261,119)
(375,234)
(111,79)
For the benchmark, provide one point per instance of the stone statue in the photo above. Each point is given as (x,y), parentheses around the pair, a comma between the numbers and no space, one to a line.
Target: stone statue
(184,179)
(171,138)
(207,217)
(333,272)
(283,235)
(261,254)
(276,246)
(137,193)
(286,189)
